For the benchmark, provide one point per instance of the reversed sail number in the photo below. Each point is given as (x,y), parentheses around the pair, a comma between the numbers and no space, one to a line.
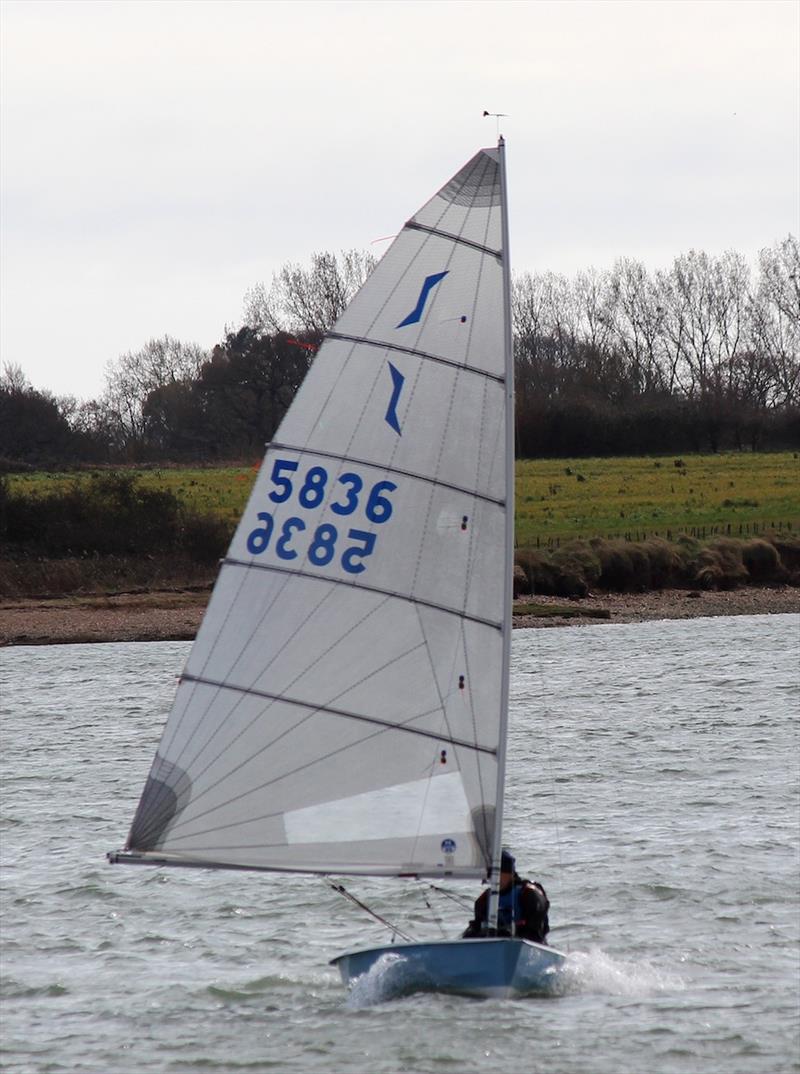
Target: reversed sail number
(310,495)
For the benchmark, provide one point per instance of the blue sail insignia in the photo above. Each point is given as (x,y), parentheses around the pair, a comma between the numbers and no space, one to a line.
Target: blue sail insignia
(419,309)
(398,380)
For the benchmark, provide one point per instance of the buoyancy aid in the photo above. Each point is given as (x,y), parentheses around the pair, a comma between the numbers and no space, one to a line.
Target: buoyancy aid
(510,908)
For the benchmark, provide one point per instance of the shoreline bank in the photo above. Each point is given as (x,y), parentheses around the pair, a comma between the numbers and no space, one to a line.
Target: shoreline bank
(168,615)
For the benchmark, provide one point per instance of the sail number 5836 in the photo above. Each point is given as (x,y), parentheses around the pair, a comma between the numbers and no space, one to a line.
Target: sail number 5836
(310,490)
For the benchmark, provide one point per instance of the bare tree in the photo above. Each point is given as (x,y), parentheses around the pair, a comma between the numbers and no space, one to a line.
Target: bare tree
(308,300)
(775,316)
(13,379)
(131,378)
(638,321)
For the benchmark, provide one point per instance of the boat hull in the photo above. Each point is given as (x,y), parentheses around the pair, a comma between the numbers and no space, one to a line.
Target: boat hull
(492,968)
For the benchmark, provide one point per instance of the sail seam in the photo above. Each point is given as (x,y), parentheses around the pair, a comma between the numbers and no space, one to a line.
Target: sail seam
(452,237)
(414,353)
(186,677)
(231,562)
(388,469)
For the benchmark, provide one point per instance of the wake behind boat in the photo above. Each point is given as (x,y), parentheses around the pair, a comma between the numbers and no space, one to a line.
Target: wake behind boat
(344,707)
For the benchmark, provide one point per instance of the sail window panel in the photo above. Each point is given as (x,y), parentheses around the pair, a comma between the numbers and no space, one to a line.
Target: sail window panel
(431,806)
(448,302)
(465,411)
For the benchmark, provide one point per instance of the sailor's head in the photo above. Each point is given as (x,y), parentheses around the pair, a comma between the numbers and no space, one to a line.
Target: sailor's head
(507,864)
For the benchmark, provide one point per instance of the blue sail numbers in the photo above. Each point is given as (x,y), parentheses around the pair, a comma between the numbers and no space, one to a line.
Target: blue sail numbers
(325,543)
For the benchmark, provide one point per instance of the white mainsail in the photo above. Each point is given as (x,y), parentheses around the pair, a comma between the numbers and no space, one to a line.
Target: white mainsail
(342,708)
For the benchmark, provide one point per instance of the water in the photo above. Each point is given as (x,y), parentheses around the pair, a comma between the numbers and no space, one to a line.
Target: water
(652,787)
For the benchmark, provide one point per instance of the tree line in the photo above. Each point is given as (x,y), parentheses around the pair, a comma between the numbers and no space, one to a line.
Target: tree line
(704,356)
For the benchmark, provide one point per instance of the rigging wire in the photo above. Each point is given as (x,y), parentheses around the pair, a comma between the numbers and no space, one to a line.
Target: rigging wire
(395,931)
(461,900)
(435,916)
(548,754)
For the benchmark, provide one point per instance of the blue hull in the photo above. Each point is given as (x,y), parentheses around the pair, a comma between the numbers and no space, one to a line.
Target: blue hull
(499,968)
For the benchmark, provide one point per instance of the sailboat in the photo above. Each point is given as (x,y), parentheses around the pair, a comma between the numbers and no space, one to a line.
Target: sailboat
(343,709)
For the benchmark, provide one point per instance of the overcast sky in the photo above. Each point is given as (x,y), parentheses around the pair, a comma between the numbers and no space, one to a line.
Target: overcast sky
(160,158)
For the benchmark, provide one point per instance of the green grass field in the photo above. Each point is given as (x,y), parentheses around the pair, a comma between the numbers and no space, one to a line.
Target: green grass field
(632,496)
(563,498)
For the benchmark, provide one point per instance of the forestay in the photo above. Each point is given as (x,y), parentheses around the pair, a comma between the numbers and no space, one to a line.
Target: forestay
(340,711)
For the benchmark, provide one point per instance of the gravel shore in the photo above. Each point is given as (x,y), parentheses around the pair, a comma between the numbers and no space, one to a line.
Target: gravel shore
(176,615)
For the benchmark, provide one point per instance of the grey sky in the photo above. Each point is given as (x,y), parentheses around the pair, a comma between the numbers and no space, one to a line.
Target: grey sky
(160,158)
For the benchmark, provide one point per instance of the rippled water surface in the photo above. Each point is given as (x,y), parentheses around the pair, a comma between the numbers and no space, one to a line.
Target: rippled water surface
(652,787)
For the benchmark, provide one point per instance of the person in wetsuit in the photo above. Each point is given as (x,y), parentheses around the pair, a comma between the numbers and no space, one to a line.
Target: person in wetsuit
(523,907)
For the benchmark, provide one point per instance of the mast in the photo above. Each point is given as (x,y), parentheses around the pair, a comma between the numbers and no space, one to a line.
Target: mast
(508,593)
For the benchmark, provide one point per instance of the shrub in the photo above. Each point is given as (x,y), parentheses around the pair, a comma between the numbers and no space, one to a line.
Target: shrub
(762,561)
(617,569)
(579,558)
(666,567)
(548,577)
(204,538)
(109,515)
(788,548)
(719,565)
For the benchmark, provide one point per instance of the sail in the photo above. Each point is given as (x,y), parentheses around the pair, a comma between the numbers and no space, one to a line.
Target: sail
(341,707)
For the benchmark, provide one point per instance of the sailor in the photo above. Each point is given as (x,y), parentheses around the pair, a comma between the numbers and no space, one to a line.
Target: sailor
(523,907)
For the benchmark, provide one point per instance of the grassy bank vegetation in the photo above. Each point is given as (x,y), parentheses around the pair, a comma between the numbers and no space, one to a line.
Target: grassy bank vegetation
(579,567)
(618,524)
(556,498)
(106,533)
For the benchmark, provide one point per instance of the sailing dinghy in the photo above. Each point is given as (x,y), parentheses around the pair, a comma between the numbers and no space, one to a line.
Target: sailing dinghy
(343,710)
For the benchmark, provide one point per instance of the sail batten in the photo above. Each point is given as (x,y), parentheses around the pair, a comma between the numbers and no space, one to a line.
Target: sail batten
(494,624)
(384,345)
(389,469)
(341,709)
(330,711)
(414,226)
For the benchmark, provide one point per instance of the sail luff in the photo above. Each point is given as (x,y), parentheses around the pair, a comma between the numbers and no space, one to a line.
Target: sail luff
(508,595)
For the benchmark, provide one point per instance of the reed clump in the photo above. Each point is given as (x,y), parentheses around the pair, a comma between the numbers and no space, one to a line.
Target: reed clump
(569,572)
(638,566)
